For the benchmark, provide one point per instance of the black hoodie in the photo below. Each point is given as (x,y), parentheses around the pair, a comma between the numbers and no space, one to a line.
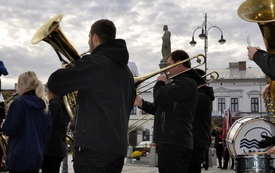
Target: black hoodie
(174,109)
(106,94)
(266,62)
(202,121)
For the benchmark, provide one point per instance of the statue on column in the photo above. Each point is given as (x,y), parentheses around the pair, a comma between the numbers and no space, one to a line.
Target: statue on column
(166,46)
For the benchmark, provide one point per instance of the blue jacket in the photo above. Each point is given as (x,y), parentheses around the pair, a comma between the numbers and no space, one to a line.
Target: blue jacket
(28,128)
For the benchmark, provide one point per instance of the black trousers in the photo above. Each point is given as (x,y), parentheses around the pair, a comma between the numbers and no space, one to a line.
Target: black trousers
(51,164)
(34,171)
(172,158)
(198,156)
(90,161)
(219,153)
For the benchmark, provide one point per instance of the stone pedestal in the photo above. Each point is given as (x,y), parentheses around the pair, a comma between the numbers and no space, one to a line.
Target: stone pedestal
(162,64)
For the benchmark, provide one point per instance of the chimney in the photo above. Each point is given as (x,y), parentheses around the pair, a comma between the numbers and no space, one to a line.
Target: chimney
(233,65)
(242,65)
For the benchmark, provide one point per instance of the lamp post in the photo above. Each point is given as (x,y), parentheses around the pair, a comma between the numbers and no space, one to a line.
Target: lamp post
(204,36)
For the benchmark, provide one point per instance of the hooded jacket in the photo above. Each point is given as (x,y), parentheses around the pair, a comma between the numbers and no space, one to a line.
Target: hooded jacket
(202,121)
(266,62)
(28,128)
(57,146)
(174,109)
(106,94)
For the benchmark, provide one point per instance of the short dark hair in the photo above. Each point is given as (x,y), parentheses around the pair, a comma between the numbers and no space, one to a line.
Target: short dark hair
(180,55)
(104,29)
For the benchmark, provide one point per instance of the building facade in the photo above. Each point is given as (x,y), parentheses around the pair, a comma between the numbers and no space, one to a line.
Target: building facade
(238,88)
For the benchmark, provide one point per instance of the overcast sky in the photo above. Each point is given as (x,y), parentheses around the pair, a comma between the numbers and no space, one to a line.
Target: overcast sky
(139,22)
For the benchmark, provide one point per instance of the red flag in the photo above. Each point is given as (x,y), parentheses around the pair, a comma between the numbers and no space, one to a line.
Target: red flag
(227,122)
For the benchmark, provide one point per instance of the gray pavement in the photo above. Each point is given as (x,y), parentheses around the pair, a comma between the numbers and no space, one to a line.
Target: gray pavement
(145,168)
(134,168)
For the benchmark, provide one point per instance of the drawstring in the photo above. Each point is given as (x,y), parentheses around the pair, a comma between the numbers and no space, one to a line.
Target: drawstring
(162,122)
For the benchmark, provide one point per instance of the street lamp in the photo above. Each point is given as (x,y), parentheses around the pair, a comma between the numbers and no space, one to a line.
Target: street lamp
(204,36)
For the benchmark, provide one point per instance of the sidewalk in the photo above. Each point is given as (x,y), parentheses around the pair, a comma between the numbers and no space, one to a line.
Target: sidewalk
(133,168)
(136,168)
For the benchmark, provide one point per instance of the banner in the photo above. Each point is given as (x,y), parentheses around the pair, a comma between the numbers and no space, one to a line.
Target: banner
(227,122)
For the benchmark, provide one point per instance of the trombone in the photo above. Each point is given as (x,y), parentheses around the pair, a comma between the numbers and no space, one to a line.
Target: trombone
(133,126)
(213,76)
(200,59)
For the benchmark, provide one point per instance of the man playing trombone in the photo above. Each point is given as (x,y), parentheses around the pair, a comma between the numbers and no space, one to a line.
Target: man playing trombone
(174,109)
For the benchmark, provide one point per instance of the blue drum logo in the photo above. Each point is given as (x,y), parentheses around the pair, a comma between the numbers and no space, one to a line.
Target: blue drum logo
(251,138)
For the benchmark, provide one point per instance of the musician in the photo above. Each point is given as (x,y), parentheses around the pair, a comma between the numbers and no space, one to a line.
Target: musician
(28,126)
(201,126)
(263,59)
(56,148)
(3,69)
(174,109)
(266,62)
(106,94)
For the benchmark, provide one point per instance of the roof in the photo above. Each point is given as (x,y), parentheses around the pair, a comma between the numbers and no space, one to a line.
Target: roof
(235,73)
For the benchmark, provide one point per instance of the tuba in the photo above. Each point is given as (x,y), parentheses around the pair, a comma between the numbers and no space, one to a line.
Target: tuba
(51,33)
(262,12)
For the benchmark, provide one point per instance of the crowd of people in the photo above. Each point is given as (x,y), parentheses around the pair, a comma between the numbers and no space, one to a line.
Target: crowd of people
(37,121)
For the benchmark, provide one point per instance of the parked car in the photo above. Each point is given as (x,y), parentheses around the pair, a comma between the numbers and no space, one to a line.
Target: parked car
(144,147)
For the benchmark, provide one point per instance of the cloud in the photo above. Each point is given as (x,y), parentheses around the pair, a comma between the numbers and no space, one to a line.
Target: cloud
(140,23)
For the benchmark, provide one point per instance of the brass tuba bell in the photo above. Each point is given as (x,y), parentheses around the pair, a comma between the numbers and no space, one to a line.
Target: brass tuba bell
(51,33)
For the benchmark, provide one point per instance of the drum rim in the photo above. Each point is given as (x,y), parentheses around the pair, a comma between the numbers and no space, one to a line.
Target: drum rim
(236,133)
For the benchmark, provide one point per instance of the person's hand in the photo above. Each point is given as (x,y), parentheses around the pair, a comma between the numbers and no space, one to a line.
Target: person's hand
(271,150)
(138,101)
(3,121)
(266,142)
(252,51)
(163,78)
(266,90)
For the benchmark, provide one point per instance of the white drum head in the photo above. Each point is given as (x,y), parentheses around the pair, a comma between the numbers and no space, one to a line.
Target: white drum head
(245,133)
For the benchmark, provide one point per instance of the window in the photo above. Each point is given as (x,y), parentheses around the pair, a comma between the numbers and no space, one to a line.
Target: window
(234,104)
(221,104)
(254,104)
(134,110)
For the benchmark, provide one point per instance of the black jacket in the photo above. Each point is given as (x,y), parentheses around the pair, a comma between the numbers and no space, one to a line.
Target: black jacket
(266,62)
(106,94)
(218,138)
(202,121)
(174,109)
(57,146)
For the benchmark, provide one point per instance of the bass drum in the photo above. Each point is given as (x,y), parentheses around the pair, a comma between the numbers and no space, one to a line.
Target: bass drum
(245,133)
(254,163)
